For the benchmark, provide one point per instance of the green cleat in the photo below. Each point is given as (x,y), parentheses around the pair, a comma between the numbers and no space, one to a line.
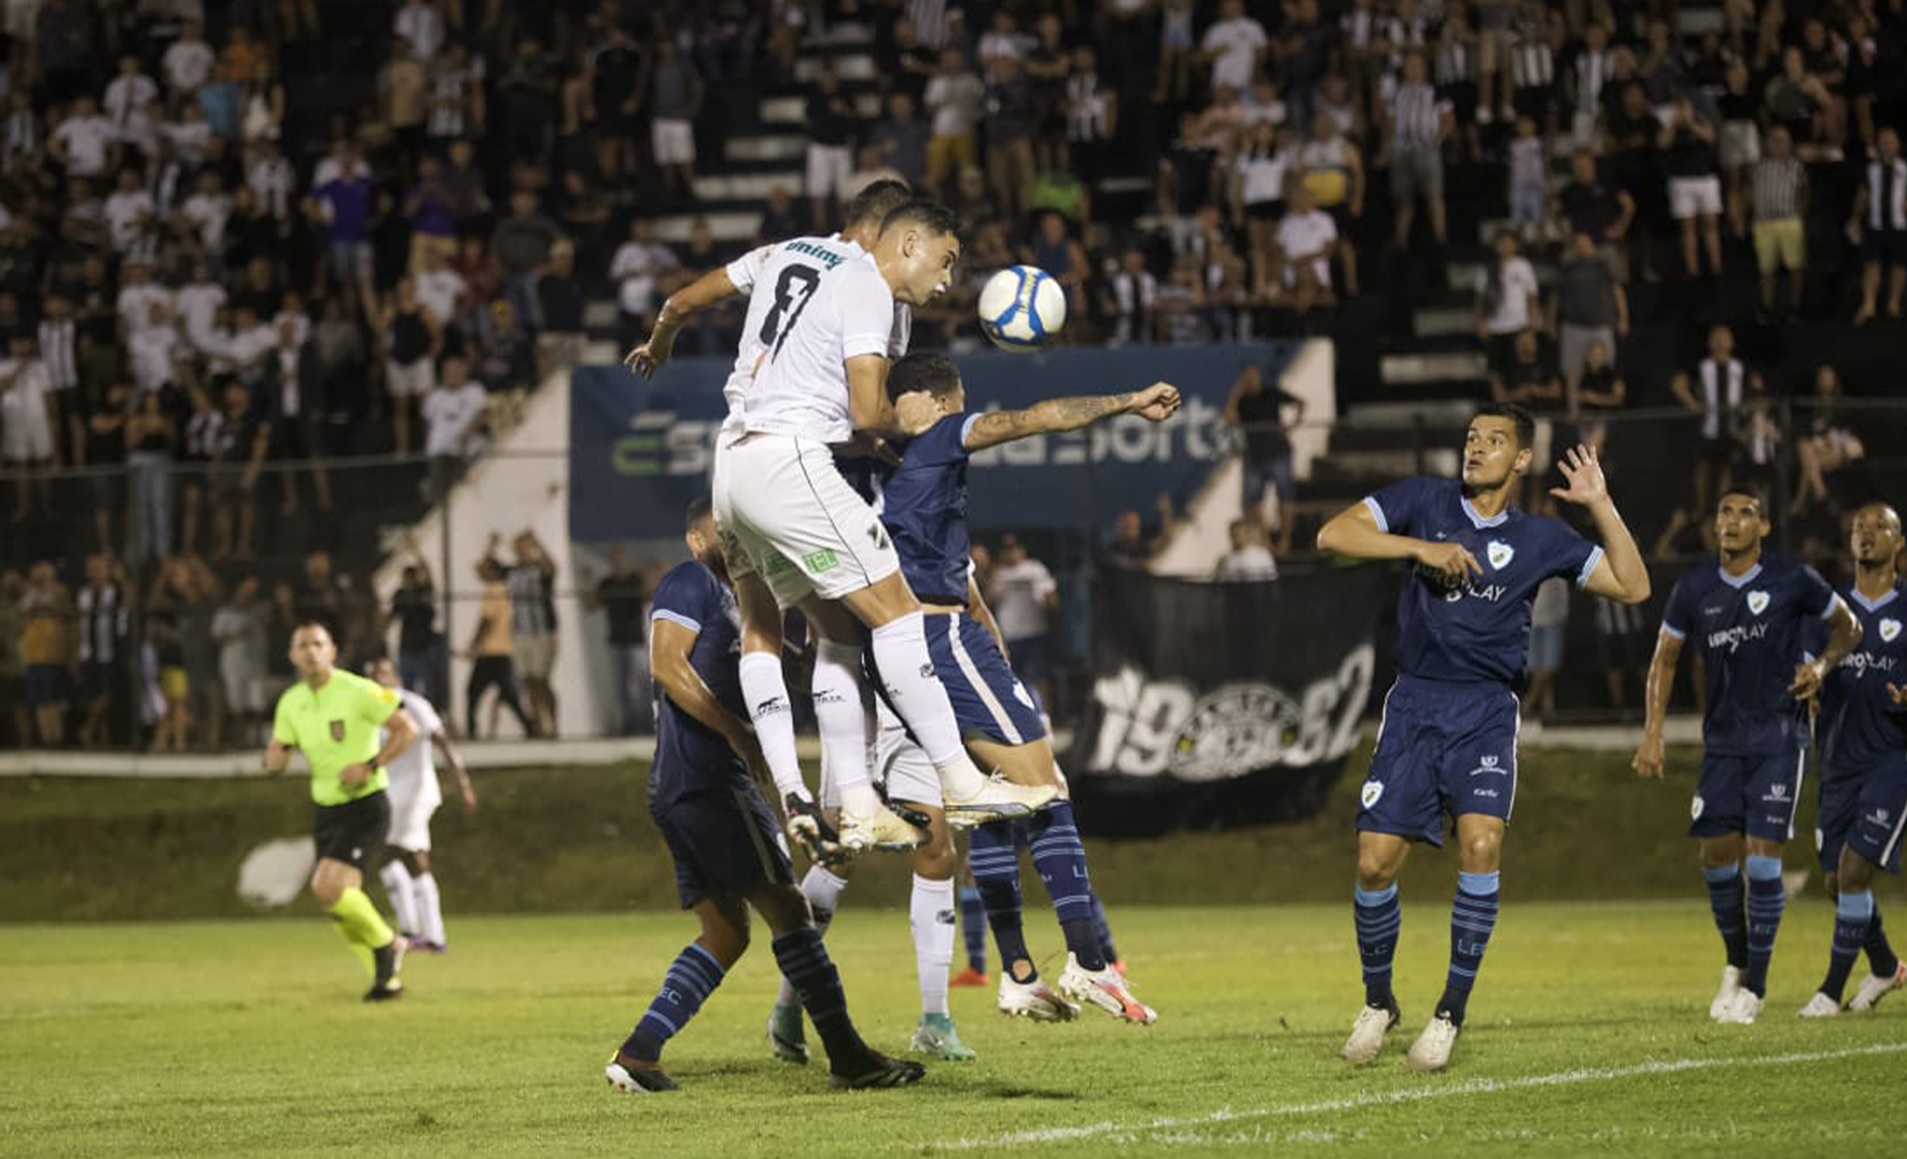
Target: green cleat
(935,1037)
(785,1037)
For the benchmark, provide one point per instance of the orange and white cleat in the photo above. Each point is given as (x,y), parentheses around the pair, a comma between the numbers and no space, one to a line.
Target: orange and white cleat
(1105,989)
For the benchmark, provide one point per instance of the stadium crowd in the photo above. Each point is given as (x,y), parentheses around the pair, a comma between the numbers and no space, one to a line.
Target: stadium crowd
(244,243)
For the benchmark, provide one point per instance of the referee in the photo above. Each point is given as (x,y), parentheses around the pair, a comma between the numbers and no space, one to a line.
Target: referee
(334,717)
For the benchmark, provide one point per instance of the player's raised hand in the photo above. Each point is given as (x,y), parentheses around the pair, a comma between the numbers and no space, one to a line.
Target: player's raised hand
(1583,471)
(1156,403)
(649,357)
(1649,757)
(1806,684)
(1450,559)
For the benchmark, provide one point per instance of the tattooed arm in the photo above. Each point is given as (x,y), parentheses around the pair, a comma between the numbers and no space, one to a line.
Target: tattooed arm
(1155,403)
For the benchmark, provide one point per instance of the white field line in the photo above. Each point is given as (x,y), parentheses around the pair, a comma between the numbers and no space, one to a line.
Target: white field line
(1418,1095)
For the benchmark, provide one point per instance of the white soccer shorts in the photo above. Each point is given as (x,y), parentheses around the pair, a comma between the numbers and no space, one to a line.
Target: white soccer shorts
(804,529)
(902,767)
(410,822)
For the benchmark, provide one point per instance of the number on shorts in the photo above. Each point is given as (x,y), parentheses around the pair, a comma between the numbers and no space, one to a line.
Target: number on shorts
(792,292)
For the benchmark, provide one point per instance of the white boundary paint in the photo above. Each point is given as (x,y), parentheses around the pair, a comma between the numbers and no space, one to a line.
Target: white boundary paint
(1453,1089)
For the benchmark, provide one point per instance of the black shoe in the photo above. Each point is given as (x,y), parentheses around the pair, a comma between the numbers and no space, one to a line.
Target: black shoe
(386,990)
(636,1078)
(875,1071)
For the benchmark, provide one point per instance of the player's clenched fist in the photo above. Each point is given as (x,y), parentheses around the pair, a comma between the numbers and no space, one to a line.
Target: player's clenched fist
(1450,559)
(648,358)
(1648,758)
(1156,403)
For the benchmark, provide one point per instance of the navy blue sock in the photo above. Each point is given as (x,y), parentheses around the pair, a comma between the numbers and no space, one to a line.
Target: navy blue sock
(1472,918)
(994,855)
(691,979)
(1061,861)
(1103,930)
(1379,915)
(1853,916)
(1725,898)
(1880,956)
(1767,897)
(973,927)
(806,965)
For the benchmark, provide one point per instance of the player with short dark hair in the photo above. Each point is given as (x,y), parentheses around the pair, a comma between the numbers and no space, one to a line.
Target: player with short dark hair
(1747,612)
(1447,744)
(1861,766)
(333,717)
(727,845)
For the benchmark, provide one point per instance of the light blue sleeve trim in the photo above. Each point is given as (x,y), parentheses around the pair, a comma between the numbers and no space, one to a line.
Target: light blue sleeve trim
(966,428)
(1377,513)
(1589,566)
(1671,633)
(675,618)
(1833,603)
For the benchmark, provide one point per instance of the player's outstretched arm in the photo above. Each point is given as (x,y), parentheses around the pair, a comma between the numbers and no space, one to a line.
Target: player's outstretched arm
(458,769)
(669,650)
(711,289)
(1353,533)
(1620,574)
(1155,403)
(1649,754)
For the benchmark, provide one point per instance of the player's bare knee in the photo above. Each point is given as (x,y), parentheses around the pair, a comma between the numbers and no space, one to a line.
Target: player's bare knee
(935,860)
(1375,871)
(1831,884)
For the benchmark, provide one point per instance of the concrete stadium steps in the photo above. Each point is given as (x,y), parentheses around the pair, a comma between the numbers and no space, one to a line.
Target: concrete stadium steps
(792,110)
(780,148)
(849,66)
(837,36)
(1418,369)
(715,190)
(738,227)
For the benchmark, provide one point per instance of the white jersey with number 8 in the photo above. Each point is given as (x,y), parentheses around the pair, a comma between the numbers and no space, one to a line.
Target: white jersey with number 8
(815,306)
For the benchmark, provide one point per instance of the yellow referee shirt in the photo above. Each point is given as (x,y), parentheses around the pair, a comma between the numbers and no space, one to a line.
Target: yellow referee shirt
(334,726)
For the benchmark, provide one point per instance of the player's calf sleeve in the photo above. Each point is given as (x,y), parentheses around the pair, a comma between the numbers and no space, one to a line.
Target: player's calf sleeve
(841,717)
(1103,930)
(1853,915)
(692,977)
(1472,919)
(823,891)
(1881,958)
(973,927)
(930,914)
(1767,898)
(1061,861)
(360,920)
(1379,916)
(906,672)
(805,963)
(766,694)
(430,908)
(402,890)
(994,856)
(1726,898)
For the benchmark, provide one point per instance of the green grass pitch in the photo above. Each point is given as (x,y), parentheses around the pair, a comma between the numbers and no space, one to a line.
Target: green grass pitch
(1588,1035)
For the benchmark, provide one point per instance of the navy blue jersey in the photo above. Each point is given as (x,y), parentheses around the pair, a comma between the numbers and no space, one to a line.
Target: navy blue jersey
(1855,732)
(867,474)
(690,756)
(924,507)
(1478,630)
(1751,632)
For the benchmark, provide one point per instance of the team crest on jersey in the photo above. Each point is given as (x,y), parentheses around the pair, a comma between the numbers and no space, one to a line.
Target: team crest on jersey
(1889,629)
(1373,792)
(1695,809)
(1500,554)
(1757,603)
(337,730)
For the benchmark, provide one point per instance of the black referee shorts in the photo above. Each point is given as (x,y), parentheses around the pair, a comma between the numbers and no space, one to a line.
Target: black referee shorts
(351,832)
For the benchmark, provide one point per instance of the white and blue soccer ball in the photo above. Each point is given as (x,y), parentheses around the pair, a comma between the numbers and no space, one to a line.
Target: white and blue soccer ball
(1021,308)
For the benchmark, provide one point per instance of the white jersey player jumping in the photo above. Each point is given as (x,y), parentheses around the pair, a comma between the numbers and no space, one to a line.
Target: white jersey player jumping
(415,795)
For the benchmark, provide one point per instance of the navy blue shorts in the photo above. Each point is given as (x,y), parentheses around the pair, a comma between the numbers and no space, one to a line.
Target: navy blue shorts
(727,843)
(1442,749)
(1031,658)
(1754,794)
(1866,812)
(988,700)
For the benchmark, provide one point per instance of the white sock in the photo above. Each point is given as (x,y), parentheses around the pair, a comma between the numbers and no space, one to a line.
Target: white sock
(907,675)
(931,914)
(841,717)
(430,909)
(823,891)
(766,694)
(397,886)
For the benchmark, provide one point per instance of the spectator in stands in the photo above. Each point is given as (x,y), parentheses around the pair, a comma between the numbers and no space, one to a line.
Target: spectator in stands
(47,647)
(832,128)
(1530,379)
(103,615)
(1417,123)
(870,166)
(1880,219)
(1256,411)
(419,644)
(151,437)
(674,89)
(412,337)
(346,203)
(1261,173)
(954,98)
(1332,170)
(560,339)
(621,596)
(780,220)
(1828,446)
(1508,300)
(234,505)
(1133,543)
(521,246)
(1590,307)
(1797,100)
(1687,142)
(404,92)
(491,652)
(455,417)
(1739,144)
(1308,238)
(532,585)
(1594,394)
(239,628)
(292,419)
(1529,180)
(1248,560)
(528,104)
(641,266)
(164,607)
(1236,45)
(19,719)
(1722,381)
(29,424)
(1549,625)
(902,139)
(1010,125)
(1057,252)
(1024,598)
(1779,197)
(103,450)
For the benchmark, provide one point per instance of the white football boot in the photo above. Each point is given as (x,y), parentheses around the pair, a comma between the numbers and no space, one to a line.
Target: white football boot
(1874,987)
(1105,989)
(1432,1049)
(1368,1033)
(1731,985)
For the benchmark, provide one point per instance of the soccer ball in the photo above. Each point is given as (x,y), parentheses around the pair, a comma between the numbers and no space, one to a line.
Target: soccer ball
(1021,307)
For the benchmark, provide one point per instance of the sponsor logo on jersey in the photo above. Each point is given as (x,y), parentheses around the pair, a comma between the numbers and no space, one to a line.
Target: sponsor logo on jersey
(1733,638)
(1490,765)
(1500,554)
(819,562)
(336,728)
(1757,603)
